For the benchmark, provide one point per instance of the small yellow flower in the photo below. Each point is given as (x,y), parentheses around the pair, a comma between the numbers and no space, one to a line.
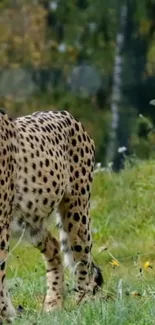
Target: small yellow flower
(114,263)
(147,265)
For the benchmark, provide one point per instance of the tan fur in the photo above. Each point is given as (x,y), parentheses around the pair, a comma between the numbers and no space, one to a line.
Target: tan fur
(49,160)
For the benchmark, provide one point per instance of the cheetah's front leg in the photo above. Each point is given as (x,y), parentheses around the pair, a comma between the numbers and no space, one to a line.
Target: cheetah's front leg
(6,308)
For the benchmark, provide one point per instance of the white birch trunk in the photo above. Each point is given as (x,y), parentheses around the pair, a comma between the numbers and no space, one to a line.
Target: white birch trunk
(117,83)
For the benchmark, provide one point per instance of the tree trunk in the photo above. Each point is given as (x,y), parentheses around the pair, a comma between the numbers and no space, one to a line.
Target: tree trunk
(117,85)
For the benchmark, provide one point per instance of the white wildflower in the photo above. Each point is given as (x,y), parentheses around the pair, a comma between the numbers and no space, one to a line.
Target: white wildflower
(92,27)
(94,230)
(152,102)
(103,169)
(53,5)
(102,249)
(62,48)
(122,149)
(110,164)
(98,165)
(98,170)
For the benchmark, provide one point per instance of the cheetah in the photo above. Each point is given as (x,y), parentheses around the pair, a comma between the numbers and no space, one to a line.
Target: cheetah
(46,166)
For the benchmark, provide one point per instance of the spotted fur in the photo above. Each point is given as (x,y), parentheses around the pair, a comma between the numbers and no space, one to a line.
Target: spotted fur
(46,165)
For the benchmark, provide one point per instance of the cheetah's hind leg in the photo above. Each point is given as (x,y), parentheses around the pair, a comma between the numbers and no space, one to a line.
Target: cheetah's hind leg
(49,247)
(75,238)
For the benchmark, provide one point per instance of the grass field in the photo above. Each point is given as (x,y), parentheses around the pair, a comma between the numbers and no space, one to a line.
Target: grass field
(123,223)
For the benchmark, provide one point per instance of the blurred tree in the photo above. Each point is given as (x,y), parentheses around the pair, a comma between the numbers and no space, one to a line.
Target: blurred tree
(116,100)
(66,52)
(136,90)
(22,34)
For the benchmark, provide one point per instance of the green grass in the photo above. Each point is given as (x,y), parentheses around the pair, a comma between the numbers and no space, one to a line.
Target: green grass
(123,221)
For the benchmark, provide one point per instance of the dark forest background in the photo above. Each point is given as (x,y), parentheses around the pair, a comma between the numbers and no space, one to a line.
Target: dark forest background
(95,59)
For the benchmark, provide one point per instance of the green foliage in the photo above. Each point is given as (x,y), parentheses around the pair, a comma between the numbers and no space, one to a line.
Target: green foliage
(22,35)
(121,198)
(142,141)
(98,312)
(36,36)
(26,38)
